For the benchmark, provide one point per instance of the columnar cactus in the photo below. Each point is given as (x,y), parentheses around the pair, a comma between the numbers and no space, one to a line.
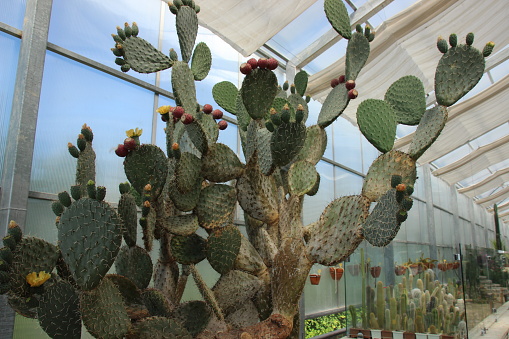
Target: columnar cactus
(196,184)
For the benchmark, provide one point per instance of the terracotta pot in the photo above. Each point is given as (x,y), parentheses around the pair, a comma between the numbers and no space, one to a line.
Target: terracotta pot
(431,265)
(386,334)
(355,331)
(315,279)
(408,335)
(336,272)
(442,266)
(375,271)
(399,270)
(455,265)
(450,265)
(446,336)
(353,269)
(414,268)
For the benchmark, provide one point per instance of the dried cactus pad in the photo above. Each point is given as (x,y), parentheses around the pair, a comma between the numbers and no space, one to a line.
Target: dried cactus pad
(458,71)
(357,53)
(223,246)
(58,311)
(377,122)
(338,231)
(382,225)
(338,17)
(135,263)
(259,89)
(407,98)
(103,311)
(432,123)
(378,178)
(89,237)
(158,327)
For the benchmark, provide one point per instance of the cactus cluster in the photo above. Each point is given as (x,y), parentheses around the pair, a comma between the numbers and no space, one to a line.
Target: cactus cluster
(185,198)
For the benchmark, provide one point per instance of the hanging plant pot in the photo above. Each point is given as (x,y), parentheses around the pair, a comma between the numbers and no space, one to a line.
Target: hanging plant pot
(315,279)
(450,265)
(442,266)
(455,265)
(353,269)
(375,271)
(399,270)
(336,272)
(414,268)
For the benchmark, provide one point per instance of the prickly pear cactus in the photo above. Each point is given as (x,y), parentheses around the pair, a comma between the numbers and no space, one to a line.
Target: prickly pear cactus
(194,186)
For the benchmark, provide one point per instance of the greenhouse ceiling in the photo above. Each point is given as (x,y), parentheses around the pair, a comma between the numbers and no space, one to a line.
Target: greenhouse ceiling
(473,150)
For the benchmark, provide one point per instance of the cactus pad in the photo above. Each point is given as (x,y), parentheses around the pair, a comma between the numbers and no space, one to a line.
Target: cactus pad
(458,71)
(146,165)
(89,236)
(201,62)
(58,311)
(129,216)
(336,13)
(295,100)
(432,123)
(183,202)
(287,141)
(185,224)
(301,177)
(314,146)
(193,315)
(333,106)
(259,89)
(198,137)
(223,246)
(338,232)
(221,164)
(301,82)
(182,81)
(225,94)
(216,206)
(377,122)
(155,301)
(187,29)
(408,99)
(189,249)
(134,263)
(187,172)
(357,53)
(158,327)
(264,151)
(142,57)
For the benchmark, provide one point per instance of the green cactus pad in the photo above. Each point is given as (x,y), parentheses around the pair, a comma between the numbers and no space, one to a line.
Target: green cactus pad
(301,177)
(251,141)
(146,165)
(295,100)
(183,202)
(216,206)
(187,29)
(287,141)
(333,106)
(223,246)
(193,315)
(158,328)
(338,231)
(155,301)
(143,57)
(103,311)
(338,17)
(201,62)
(196,133)
(187,172)
(378,178)
(314,146)
(27,307)
(357,53)
(85,168)
(129,216)
(458,71)
(221,164)
(235,288)
(134,263)
(264,151)
(182,81)
(31,255)
(243,116)
(301,82)
(189,249)
(129,291)
(408,99)
(382,225)
(377,122)
(315,188)
(89,236)
(259,89)
(58,311)
(432,123)
(184,225)
(225,94)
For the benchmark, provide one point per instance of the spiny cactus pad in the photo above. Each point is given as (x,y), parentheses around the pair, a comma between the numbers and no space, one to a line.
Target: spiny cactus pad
(432,123)
(193,315)
(129,216)
(408,99)
(314,146)
(301,82)
(187,29)
(259,89)
(357,53)
(189,249)
(185,224)
(223,246)
(156,302)
(182,81)
(338,17)
(142,57)
(225,94)
(146,165)
(377,122)
(216,206)
(187,172)
(134,263)
(158,328)
(221,164)
(301,177)
(338,232)
(333,106)
(287,141)
(201,61)
(89,236)
(183,202)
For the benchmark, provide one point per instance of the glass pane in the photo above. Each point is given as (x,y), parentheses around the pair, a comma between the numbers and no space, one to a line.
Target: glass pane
(108,105)
(347,144)
(9,46)
(369,154)
(346,183)
(85,27)
(314,206)
(12,12)
(328,294)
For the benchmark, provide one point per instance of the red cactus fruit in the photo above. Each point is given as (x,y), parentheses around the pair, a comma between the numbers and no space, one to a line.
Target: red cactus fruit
(121,151)
(341,79)
(187,119)
(263,63)
(350,84)
(207,109)
(175,146)
(217,114)
(401,188)
(222,124)
(272,64)
(178,112)
(352,94)
(130,143)
(245,68)
(253,62)
(334,82)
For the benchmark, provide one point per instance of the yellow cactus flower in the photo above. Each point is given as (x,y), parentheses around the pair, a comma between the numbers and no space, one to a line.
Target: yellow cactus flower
(134,132)
(164,109)
(37,279)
